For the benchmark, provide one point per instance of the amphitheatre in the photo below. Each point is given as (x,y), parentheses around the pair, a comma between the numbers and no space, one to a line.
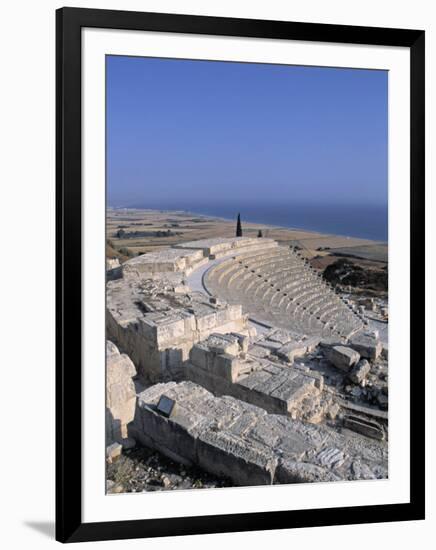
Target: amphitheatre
(234,355)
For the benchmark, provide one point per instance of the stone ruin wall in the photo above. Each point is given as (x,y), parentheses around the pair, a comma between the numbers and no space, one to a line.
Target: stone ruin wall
(231,438)
(120,395)
(159,350)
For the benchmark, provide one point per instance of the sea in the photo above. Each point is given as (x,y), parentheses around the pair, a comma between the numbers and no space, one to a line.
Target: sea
(358,220)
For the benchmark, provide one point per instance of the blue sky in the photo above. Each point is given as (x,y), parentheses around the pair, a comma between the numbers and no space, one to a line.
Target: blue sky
(182,132)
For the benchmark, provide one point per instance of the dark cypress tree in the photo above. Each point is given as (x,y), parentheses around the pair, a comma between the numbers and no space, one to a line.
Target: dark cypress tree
(259,234)
(239,227)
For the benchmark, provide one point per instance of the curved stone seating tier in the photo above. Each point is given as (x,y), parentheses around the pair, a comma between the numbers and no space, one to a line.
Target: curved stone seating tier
(279,287)
(267,264)
(324,301)
(258,259)
(307,287)
(236,274)
(292,284)
(233,264)
(282,273)
(316,301)
(329,311)
(223,246)
(273,272)
(279,281)
(248,259)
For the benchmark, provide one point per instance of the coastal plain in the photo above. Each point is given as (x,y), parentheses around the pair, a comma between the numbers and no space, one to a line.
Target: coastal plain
(131,232)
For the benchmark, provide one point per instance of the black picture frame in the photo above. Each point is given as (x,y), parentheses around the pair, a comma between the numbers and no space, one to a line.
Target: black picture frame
(69,525)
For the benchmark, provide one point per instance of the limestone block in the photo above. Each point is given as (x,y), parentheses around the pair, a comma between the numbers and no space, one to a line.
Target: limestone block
(291,471)
(224,454)
(330,341)
(200,356)
(318,378)
(365,427)
(208,379)
(222,246)
(243,341)
(367,344)
(170,260)
(257,379)
(206,323)
(228,437)
(234,311)
(291,350)
(112,263)
(113,452)
(330,456)
(272,346)
(171,359)
(385,351)
(259,351)
(223,343)
(362,471)
(342,358)
(170,330)
(312,343)
(120,393)
(227,366)
(280,336)
(175,438)
(360,371)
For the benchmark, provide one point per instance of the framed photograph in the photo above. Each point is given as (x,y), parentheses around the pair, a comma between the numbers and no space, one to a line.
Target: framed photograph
(240,274)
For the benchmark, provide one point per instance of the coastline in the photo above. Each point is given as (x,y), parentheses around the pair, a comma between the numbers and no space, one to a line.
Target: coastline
(215,218)
(290,228)
(133,231)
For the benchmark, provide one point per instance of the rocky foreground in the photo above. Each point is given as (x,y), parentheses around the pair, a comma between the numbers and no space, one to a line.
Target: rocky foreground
(144,470)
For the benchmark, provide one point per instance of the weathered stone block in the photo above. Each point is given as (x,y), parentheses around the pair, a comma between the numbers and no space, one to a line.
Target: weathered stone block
(223,343)
(206,322)
(200,356)
(360,371)
(291,471)
(228,437)
(365,427)
(291,350)
(120,393)
(243,341)
(367,344)
(225,454)
(227,366)
(113,452)
(312,343)
(171,330)
(342,358)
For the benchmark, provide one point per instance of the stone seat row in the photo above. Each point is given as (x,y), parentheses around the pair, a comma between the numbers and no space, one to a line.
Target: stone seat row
(228,267)
(281,286)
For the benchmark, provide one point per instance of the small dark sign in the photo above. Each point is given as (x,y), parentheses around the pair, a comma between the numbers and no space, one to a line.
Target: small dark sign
(165,406)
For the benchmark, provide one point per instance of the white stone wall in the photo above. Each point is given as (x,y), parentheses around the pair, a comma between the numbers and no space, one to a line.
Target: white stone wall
(120,394)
